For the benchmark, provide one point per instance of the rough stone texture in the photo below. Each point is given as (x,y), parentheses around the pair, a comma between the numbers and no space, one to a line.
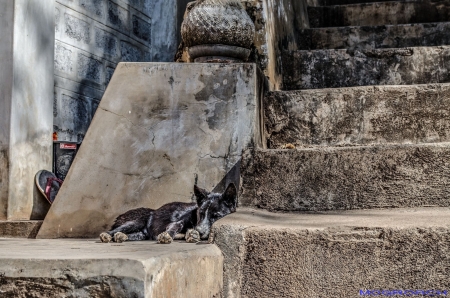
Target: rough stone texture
(381,13)
(344,68)
(26,84)
(160,128)
(20,229)
(365,37)
(329,178)
(358,115)
(344,2)
(88,268)
(334,254)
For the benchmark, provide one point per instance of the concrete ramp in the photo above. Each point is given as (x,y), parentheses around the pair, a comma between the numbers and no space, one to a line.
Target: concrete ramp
(160,128)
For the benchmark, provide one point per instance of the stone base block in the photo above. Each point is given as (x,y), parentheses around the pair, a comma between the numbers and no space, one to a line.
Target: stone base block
(89,268)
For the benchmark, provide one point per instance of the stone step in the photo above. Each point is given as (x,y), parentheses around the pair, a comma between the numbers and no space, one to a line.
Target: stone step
(345,178)
(366,115)
(345,68)
(344,2)
(380,13)
(334,254)
(20,229)
(365,37)
(89,268)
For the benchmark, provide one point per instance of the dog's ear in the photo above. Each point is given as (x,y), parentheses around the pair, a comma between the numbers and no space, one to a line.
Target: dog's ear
(229,197)
(200,194)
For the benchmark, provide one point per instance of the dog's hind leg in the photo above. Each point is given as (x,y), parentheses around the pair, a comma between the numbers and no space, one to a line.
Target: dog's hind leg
(127,228)
(119,234)
(137,236)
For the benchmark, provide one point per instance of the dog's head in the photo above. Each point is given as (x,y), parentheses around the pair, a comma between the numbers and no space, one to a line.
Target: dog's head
(213,206)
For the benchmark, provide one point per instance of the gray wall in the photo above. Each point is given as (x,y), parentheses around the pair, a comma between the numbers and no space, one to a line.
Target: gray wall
(6,65)
(92,36)
(26,89)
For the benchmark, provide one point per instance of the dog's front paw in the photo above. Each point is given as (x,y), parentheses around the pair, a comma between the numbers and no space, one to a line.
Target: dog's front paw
(120,237)
(192,236)
(105,237)
(164,238)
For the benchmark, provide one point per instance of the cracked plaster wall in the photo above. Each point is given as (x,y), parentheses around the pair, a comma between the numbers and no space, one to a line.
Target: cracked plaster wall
(160,128)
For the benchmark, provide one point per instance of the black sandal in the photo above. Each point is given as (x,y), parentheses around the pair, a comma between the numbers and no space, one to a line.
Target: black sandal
(48,184)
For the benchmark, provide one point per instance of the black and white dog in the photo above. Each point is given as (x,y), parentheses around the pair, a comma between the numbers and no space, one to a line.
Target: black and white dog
(163,224)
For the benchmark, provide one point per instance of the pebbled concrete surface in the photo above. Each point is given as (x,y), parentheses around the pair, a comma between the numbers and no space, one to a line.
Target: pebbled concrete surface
(360,177)
(379,13)
(345,68)
(385,36)
(358,115)
(88,268)
(333,254)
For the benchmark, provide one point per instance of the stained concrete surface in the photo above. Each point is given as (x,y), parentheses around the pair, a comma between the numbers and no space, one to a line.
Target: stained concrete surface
(346,68)
(385,36)
(333,254)
(160,128)
(380,13)
(359,177)
(358,115)
(89,268)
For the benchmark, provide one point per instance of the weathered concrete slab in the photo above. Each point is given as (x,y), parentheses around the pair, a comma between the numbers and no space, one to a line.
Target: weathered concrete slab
(20,229)
(88,268)
(26,104)
(333,254)
(344,68)
(358,115)
(344,2)
(379,13)
(160,128)
(330,178)
(365,37)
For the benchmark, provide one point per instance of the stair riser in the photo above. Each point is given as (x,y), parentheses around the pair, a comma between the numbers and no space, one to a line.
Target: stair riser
(341,68)
(325,263)
(347,178)
(375,14)
(358,116)
(433,34)
(344,2)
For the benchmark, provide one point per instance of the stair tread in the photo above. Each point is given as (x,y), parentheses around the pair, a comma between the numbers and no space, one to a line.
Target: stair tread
(373,218)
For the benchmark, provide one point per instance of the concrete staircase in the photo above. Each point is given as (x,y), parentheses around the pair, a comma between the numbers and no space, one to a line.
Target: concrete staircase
(362,203)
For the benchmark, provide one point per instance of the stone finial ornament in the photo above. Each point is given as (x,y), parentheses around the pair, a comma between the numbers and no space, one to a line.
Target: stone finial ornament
(218,31)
